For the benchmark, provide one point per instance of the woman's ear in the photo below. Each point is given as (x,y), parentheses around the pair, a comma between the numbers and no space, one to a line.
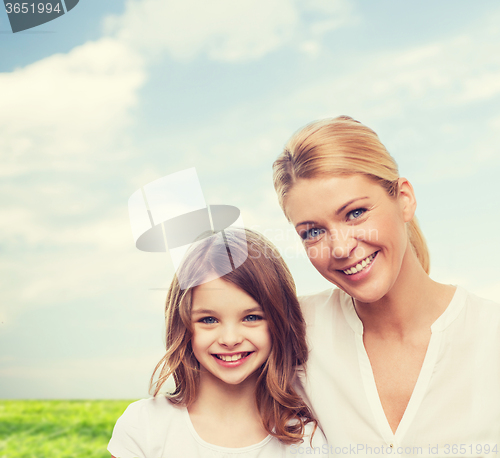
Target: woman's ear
(406,196)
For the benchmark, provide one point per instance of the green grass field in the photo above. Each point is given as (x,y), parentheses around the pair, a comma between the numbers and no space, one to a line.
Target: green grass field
(57,429)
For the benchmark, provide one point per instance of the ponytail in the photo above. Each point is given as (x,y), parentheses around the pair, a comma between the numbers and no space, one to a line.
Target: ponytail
(419,244)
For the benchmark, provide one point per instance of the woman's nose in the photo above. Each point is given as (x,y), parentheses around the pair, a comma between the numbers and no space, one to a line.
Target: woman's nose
(342,242)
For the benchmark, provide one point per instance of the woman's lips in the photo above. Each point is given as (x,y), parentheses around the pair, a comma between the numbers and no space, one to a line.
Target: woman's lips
(360,265)
(354,274)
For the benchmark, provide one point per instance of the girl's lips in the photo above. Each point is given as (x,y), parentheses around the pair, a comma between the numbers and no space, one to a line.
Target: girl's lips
(236,363)
(363,273)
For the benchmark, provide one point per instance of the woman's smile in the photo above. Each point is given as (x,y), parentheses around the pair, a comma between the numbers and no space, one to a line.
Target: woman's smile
(359,267)
(354,233)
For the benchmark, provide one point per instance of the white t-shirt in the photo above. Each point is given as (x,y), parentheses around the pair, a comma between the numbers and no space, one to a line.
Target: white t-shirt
(155,428)
(454,410)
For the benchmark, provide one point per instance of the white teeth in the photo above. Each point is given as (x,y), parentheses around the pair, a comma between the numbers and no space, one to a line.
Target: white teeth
(360,266)
(232,357)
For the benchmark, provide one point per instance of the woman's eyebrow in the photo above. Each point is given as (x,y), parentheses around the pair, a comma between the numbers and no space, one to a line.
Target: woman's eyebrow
(304,222)
(340,210)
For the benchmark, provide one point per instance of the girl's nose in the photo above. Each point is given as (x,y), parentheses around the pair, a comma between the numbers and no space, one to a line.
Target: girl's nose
(230,335)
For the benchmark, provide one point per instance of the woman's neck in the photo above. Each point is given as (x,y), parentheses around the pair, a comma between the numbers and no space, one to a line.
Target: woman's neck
(414,302)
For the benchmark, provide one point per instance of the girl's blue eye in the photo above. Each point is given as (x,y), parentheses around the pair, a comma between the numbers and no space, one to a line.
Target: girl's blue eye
(253,318)
(312,233)
(355,213)
(208,320)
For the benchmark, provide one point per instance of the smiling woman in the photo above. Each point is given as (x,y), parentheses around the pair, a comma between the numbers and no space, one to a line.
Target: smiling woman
(358,238)
(388,345)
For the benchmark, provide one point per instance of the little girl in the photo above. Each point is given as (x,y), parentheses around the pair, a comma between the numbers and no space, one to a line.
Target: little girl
(234,343)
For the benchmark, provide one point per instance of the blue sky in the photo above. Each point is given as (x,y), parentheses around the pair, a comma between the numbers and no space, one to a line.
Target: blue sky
(116,94)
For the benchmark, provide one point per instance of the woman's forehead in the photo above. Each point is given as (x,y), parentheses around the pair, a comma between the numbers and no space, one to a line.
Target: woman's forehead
(334,191)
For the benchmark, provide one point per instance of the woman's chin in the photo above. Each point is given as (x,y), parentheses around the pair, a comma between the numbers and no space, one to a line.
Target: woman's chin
(362,293)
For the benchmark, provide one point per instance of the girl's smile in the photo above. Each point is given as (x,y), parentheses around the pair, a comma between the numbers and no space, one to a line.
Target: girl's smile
(232,360)
(231,338)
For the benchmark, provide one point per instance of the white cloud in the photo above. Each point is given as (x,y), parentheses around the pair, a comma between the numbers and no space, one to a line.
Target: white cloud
(455,71)
(61,110)
(224,30)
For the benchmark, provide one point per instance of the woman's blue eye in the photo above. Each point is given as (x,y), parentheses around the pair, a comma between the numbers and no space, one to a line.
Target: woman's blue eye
(208,320)
(253,318)
(355,213)
(311,233)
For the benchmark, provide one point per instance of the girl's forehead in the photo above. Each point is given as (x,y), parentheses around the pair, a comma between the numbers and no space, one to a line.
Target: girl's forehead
(223,296)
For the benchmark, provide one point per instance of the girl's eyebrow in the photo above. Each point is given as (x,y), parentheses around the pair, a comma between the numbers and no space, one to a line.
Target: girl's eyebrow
(253,310)
(340,210)
(212,312)
(203,312)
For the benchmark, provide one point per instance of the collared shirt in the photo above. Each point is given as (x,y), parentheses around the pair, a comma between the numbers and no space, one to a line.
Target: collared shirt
(454,410)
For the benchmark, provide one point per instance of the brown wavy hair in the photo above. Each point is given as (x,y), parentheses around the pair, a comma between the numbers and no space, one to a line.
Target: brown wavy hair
(340,147)
(265,277)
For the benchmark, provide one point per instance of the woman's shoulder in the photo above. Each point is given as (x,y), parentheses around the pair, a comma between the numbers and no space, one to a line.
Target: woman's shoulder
(482,301)
(468,312)
(328,295)
(485,309)
(323,304)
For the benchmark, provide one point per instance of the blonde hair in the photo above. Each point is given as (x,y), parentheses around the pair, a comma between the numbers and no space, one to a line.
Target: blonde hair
(336,147)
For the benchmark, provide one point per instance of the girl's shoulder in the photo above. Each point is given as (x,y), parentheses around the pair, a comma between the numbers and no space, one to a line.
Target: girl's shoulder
(140,430)
(313,442)
(151,409)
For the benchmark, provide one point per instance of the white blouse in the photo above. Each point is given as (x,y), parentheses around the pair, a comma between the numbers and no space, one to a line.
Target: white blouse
(155,428)
(454,410)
